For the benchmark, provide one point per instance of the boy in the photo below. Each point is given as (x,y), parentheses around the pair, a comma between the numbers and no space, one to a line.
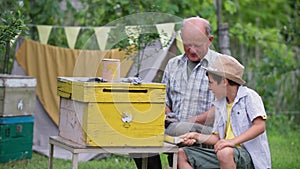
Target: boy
(239,135)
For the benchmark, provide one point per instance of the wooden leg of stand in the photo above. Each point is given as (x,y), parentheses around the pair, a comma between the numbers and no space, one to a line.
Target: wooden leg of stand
(75,161)
(50,165)
(175,160)
(144,162)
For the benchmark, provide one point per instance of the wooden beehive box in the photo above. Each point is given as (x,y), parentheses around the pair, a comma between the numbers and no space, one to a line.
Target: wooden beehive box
(16,138)
(17,95)
(111,114)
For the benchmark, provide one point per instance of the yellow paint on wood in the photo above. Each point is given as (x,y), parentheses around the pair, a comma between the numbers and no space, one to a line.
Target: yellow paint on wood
(105,126)
(120,114)
(112,92)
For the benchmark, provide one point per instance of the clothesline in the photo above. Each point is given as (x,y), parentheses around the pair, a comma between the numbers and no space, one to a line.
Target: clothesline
(92,27)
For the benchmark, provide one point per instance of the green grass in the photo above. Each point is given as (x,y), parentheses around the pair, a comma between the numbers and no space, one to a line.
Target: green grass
(110,162)
(283,135)
(284,140)
(285,150)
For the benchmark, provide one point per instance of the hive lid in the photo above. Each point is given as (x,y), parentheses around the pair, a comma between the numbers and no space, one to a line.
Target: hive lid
(19,119)
(16,81)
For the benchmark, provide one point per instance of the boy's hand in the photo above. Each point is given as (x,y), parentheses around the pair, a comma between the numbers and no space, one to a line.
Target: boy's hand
(189,138)
(222,144)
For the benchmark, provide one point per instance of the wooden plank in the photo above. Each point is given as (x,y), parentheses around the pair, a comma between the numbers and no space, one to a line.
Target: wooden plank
(71,121)
(64,94)
(71,146)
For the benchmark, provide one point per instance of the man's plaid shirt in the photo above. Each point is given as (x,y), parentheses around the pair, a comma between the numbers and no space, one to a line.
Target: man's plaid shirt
(188,97)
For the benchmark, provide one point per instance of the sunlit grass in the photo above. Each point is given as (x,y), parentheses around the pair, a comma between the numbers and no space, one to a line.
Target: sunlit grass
(285,149)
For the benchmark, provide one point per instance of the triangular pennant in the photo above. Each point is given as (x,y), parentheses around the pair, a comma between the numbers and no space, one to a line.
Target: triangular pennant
(44,32)
(179,43)
(133,32)
(71,34)
(101,36)
(165,32)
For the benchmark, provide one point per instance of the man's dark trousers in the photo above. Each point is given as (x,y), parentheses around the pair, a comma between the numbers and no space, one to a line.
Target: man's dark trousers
(153,162)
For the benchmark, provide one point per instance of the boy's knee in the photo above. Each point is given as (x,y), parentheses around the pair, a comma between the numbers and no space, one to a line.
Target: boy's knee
(181,152)
(225,154)
(181,155)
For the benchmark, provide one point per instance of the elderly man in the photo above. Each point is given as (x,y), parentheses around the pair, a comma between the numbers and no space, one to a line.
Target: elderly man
(188,97)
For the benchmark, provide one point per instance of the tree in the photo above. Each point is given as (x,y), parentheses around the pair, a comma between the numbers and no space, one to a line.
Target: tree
(12,25)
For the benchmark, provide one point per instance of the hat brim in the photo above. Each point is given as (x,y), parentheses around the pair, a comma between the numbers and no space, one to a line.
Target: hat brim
(225,75)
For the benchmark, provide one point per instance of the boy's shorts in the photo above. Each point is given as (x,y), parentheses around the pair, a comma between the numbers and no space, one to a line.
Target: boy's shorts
(206,158)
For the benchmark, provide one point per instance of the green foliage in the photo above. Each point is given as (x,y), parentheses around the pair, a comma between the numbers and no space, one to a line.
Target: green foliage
(265,43)
(230,6)
(11,26)
(46,12)
(264,35)
(270,71)
(98,12)
(280,123)
(86,40)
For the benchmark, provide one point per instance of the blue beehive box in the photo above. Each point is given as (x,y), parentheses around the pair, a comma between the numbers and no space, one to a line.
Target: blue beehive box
(16,137)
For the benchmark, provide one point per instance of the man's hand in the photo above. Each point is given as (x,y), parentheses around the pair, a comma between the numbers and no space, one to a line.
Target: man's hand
(167,109)
(206,118)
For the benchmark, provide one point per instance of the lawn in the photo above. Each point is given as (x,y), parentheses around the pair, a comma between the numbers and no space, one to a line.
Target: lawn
(284,140)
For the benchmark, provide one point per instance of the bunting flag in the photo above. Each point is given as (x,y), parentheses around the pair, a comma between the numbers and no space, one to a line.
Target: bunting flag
(165,31)
(179,43)
(133,32)
(71,34)
(101,36)
(44,32)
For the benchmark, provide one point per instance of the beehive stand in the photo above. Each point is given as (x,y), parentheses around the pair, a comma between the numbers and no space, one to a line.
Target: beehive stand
(75,149)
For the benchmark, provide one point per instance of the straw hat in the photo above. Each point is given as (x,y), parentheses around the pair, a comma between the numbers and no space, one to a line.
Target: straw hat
(228,67)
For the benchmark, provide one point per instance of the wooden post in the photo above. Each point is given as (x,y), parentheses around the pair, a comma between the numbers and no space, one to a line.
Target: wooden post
(224,43)
(223,35)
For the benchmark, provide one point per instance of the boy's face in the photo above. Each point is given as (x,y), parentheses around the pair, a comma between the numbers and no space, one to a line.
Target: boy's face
(219,90)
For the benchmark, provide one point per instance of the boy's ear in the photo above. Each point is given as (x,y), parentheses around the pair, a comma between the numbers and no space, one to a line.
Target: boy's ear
(225,81)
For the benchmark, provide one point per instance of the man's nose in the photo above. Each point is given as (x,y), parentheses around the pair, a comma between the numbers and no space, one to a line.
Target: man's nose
(192,49)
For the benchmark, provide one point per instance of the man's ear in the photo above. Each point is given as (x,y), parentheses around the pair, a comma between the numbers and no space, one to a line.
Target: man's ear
(211,38)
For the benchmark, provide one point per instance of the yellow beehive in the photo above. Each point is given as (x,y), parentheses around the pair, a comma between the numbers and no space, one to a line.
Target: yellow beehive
(111,114)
